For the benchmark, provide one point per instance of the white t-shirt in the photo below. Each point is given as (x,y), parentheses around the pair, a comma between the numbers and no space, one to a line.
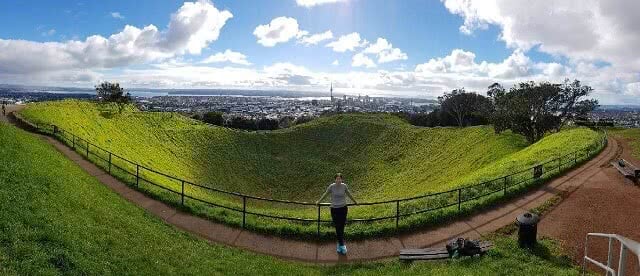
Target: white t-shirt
(338,194)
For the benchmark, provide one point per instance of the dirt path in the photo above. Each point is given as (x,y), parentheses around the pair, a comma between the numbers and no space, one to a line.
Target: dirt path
(324,252)
(605,203)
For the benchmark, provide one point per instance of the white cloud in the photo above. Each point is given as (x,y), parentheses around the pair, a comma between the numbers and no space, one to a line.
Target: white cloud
(191,28)
(117,15)
(348,42)
(50,32)
(308,40)
(463,62)
(391,55)
(227,56)
(280,29)
(586,32)
(312,3)
(385,51)
(361,59)
(335,63)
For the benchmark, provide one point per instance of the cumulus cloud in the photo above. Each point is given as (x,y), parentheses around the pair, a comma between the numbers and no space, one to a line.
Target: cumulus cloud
(385,51)
(117,15)
(227,56)
(589,31)
(361,60)
(348,42)
(312,3)
(280,29)
(335,63)
(308,40)
(463,62)
(191,28)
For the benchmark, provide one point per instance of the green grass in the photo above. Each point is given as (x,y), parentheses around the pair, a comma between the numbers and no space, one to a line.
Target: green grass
(56,219)
(381,156)
(633,138)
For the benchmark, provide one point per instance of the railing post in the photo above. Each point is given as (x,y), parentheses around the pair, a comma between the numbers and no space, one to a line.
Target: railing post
(459,198)
(244,211)
(397,213)
(318,232)
(610,254)
(575,157)
(505,185)
(87,149)
(182,194)
(109,163)
(559,163)
(137,175)
(622,260)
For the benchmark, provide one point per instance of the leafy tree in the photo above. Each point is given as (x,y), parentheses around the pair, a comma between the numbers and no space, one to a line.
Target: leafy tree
(303,119)
(242,123)
(286,121)
(112,93)
(465,106)
(495,90)
(214,118)
(267,124)
(533,109)
(570,104)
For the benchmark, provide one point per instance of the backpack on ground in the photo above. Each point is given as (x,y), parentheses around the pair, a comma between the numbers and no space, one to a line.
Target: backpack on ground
(463,247)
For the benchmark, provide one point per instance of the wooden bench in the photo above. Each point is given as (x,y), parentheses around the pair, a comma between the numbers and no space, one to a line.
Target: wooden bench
(627,169)
(435,253)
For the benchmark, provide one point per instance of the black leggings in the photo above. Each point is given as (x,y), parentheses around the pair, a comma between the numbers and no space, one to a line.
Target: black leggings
(339,217)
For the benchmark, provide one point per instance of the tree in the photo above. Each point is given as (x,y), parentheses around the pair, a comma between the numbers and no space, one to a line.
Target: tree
(465,107)
(239,122)
(570,104)
(533,109)
(495,90)
(112,93)
(214,118)
(267,124)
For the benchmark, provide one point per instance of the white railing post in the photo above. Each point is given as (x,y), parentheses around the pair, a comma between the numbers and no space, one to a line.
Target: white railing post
(621,261)
(626,244)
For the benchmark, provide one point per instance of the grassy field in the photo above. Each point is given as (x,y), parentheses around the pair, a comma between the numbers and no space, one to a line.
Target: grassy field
(56,219)
(381,156)
(633,137)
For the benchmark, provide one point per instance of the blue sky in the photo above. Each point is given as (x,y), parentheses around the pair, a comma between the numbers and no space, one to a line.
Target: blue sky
(429,46)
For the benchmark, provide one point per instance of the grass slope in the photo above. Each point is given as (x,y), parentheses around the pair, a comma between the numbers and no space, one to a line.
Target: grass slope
(633,138)
(56,219)
(381,156)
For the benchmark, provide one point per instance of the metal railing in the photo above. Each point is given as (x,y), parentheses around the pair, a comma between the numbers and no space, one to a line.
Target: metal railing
(401,208)
(626,244)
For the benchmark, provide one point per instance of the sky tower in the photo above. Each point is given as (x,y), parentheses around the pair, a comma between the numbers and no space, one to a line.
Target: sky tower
(331,91)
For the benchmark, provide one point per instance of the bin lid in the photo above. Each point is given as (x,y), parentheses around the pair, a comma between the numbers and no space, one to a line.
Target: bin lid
(527,219)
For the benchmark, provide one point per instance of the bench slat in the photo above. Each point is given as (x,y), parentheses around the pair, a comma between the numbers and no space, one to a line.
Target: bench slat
(423,251)
(424,257)
(622,170)
(484,247)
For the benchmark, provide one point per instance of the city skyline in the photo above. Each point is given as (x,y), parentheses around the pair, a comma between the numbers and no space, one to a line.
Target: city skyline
(400,48)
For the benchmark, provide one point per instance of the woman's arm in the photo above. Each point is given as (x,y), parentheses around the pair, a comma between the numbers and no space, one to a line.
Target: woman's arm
(323,195)
(349,194)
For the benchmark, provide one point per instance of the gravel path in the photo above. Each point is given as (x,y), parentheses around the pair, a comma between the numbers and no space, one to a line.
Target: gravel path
(605,203)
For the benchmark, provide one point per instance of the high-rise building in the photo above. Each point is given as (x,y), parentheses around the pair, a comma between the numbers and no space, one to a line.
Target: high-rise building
(331,91)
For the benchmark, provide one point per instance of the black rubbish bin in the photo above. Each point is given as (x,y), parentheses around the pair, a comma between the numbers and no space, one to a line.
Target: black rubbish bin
(528,229)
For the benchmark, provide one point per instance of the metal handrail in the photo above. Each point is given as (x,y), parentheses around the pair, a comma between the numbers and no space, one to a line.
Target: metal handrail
(625,244)
(473,192)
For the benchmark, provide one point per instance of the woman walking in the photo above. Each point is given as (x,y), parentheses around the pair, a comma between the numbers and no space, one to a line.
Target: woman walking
(339,191)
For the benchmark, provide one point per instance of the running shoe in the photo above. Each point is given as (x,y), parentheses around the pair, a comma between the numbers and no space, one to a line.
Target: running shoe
(342,249)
